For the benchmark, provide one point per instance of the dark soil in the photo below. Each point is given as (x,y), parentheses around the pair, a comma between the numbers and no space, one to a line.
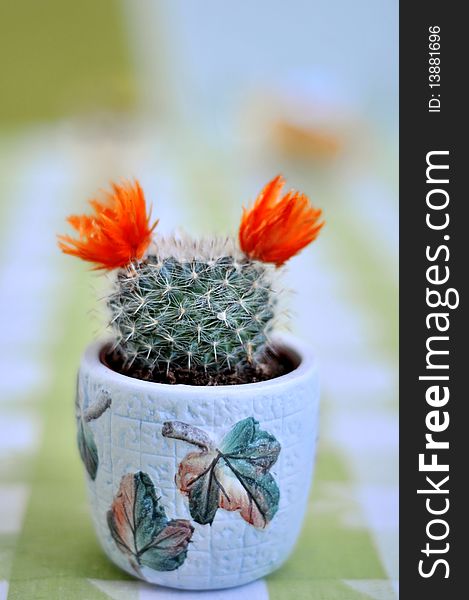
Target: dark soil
(274,365)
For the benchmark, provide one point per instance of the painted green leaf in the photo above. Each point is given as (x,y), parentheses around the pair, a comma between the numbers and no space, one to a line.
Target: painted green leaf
(246,442)
(198,477)
(85,438)
(235,476)
(87,448)
(140,528)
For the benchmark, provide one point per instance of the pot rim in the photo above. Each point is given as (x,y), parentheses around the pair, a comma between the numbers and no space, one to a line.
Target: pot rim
(299,352)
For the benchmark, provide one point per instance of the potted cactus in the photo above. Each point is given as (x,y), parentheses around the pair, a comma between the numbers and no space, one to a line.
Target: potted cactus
(196,422)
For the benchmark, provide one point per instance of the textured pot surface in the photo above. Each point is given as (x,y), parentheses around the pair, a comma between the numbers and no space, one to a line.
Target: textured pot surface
(219,510)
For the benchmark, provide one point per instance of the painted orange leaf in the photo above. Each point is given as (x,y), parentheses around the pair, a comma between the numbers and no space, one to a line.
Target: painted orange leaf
(233,475)
(138,523)
(276,228)
(117,233)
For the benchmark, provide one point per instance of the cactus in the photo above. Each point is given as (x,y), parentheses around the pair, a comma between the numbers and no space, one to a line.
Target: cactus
(183,305)
(215,314)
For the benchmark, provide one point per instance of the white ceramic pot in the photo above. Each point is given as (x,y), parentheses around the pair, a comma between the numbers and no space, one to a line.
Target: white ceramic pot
(198,487)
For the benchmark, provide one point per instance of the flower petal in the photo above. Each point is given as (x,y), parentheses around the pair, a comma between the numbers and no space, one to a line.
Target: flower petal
(117,233)
(274,229)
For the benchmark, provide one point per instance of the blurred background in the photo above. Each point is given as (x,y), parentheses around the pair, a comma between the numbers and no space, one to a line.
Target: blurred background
(204,102)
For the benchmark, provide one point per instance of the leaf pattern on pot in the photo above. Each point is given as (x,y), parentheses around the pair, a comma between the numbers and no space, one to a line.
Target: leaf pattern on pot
(141,530)
(233,475)
(85,438)
(87,448)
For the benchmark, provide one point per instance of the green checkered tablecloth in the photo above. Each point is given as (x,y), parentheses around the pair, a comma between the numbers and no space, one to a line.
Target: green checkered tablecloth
(345,305)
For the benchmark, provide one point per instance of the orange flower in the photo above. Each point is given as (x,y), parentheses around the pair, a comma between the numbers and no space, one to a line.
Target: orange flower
(117,233)
(274,229)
